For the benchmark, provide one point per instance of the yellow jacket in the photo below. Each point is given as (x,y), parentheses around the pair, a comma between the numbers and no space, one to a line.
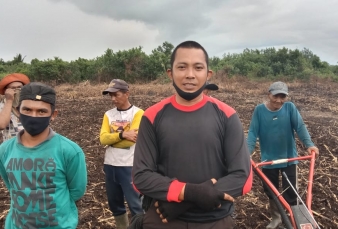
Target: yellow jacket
(120,152)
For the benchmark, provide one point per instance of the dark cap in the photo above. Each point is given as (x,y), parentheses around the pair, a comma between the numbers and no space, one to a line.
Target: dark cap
(116,85)
(38,92)
(278,88)
(211,86)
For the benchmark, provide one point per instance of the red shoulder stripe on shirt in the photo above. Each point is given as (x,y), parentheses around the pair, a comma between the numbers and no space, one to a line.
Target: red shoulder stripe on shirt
(248,184)
(222,106)
(152,111)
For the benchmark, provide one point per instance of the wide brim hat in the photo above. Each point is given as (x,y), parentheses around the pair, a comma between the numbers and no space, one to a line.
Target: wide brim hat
(13,77)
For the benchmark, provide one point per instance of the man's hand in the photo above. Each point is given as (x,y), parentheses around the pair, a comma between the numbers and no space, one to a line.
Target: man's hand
(228,198)
(171,210)
(313,148)
(9,94)
(205,195)
(130,135)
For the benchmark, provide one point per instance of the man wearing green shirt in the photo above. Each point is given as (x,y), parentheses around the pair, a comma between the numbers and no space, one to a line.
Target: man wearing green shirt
(44,172)
(275,123)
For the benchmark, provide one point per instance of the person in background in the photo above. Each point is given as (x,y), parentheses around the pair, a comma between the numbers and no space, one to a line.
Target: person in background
(275,123)
(44,172)
(10,87)
(119,132)
(191,158)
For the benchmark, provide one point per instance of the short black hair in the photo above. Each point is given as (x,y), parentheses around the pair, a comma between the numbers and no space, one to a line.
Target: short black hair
(189,44)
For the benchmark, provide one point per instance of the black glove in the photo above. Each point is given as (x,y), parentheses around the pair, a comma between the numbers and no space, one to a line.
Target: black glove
(146,202)
(171,210)
(204,195)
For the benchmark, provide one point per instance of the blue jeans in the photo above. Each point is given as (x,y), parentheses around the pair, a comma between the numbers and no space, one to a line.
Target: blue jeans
(118,186)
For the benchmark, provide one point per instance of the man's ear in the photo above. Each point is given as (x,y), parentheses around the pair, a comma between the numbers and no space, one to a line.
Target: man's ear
(210,72)
(170,74)
(54,114)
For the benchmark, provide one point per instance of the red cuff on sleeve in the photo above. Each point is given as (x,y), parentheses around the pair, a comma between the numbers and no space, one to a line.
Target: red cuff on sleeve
(174,191)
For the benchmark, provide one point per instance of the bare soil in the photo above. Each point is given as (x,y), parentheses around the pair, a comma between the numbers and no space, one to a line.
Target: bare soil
(81,108)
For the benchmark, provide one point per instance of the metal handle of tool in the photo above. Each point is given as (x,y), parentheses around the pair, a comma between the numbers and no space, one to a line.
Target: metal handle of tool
(312,158)
(310,181)
(295,191)
(277,197)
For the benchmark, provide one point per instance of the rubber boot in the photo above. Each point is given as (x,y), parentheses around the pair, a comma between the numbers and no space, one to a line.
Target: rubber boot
(276,217)
(122,221)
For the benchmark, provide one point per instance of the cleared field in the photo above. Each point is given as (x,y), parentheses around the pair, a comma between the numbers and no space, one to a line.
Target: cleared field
(81,108)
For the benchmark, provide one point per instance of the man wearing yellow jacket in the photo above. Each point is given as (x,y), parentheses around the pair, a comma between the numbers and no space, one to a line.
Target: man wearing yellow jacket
(119,132)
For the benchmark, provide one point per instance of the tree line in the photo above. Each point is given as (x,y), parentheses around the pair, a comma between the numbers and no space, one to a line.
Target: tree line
(134,65)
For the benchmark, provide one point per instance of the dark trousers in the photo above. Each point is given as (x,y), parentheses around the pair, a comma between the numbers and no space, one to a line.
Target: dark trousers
(152,220)
(273,175)
(118,186)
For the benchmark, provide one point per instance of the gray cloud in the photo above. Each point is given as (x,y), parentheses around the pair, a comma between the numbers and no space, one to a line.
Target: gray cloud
(256,24)
(43,29)
(175,18)
(85,28)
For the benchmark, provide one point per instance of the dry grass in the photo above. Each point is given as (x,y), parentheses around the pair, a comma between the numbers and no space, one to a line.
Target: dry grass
(316,99)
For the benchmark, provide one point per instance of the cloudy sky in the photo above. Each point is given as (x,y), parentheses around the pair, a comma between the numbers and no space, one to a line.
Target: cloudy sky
(86,28)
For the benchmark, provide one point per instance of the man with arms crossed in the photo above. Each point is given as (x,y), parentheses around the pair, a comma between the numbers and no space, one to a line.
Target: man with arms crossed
(191,156)
(119,132)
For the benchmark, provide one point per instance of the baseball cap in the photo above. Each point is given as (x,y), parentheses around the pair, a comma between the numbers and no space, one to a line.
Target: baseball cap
(211,86)
(38,92)
(278,88)
(13,77)
(116,85)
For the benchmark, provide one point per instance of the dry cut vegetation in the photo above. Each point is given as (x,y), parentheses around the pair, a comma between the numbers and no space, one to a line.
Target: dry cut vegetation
(81,108)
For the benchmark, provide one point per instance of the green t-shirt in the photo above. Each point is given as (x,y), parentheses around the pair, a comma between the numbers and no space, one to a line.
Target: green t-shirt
(44,182)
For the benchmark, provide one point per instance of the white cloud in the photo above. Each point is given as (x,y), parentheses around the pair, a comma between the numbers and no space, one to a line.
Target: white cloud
(43,29)
(293,24)
(86,28)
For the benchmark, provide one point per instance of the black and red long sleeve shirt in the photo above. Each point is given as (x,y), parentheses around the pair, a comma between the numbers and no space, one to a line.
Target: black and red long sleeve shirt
(190,144)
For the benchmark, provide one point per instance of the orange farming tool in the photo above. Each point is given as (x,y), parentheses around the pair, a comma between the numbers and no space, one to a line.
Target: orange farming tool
(298,216)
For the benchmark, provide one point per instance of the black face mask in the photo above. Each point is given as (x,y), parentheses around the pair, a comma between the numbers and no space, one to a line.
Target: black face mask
(34,125)
(187,95)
